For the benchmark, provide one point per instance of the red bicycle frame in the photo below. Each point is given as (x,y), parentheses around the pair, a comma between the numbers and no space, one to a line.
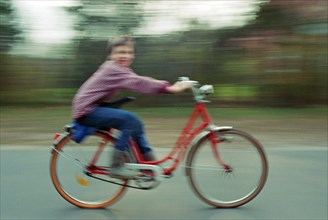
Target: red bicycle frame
(187,135)
(178,151)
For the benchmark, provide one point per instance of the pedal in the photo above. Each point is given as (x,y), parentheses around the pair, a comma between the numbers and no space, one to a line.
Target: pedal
(145,178)
(167,176)
(156,170)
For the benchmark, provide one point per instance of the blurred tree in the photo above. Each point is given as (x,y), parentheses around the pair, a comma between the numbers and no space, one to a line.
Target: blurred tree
(288,46)
(280,58)
(8,26)
(9,34)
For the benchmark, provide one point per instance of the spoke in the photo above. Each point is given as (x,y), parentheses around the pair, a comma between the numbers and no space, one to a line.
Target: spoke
(205,167)
(69,157)
(70,164)
(237,164)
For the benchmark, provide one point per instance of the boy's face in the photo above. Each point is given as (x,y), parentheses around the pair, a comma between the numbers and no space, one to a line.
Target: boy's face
(123,55)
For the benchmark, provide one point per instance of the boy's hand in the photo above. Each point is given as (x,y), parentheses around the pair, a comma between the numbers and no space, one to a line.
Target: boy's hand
(180,86)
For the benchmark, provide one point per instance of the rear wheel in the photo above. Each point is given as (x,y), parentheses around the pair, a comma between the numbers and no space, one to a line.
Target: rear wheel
(240,176)
(69,169)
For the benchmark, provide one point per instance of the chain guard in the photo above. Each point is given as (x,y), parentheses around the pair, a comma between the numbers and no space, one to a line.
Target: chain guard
(127,185)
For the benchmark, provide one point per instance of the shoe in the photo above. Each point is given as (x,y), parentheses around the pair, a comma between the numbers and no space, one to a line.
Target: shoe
(118,170)
(149,156)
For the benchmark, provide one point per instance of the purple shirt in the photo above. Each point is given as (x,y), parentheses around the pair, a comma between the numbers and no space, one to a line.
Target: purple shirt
(106,81)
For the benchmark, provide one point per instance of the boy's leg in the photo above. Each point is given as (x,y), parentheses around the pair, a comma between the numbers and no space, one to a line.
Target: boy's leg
(140,137)
(123,121)
(113,118)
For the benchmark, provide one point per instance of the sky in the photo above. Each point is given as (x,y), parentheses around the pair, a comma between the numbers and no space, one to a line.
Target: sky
(172,14)
(46,23)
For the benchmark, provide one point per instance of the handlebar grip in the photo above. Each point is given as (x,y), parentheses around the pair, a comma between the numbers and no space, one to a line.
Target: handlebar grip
(184,78)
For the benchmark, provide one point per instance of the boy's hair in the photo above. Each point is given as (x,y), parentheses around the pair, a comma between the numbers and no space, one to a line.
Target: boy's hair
(120,41)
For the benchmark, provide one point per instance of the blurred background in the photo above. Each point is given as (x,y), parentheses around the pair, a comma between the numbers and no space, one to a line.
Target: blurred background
(255,52)
(266,59)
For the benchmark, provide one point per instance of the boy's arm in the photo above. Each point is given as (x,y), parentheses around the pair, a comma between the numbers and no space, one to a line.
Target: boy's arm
(144,84)
(179,87)
(150,85)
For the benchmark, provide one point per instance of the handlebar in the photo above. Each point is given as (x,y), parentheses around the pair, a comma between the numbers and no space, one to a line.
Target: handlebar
(199,92)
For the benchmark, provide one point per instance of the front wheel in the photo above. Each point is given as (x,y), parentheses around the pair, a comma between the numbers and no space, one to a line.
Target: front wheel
(70,172)
(228,169)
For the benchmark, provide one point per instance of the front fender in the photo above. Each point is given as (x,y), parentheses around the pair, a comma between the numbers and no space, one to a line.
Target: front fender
(218,128)
(199,138)
(207,130)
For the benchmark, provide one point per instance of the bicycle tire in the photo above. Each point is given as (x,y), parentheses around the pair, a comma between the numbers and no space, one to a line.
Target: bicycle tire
(67,169)
(225,188)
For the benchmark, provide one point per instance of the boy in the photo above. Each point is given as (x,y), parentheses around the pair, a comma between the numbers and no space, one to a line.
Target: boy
(113,75)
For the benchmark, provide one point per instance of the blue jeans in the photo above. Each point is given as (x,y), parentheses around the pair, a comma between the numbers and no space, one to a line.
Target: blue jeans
(126,122)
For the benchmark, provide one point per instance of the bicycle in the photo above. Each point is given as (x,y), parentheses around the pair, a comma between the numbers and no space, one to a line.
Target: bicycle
(226,168)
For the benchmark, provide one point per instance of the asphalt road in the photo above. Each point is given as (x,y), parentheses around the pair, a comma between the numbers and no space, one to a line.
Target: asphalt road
(296,189)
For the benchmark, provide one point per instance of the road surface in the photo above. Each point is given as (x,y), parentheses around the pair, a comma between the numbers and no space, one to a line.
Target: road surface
(296,189)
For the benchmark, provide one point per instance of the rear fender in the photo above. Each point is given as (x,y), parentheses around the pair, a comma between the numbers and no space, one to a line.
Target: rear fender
(58,138)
